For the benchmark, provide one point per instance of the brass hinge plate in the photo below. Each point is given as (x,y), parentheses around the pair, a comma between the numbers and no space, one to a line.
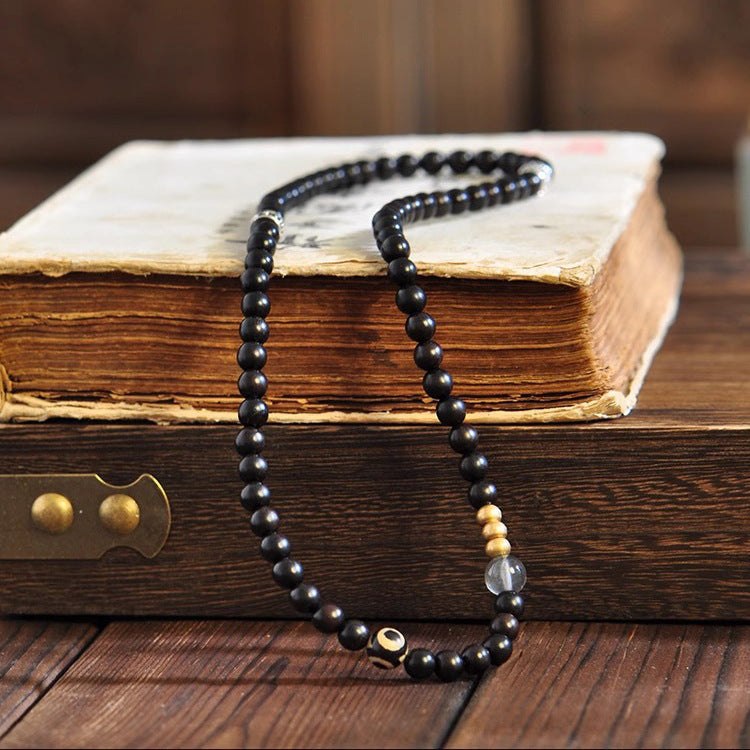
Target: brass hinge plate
(80,516)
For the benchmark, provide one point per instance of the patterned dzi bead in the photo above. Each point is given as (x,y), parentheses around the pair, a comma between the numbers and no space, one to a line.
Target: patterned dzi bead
(387,648)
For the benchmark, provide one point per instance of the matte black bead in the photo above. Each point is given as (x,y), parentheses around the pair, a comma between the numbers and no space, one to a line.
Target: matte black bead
(460,161)
(264,521)
(386,167)
(448,665)
(259,259)
(509,601)
(411,299)
(254,280)
(256,303)
(420,663)
(486,161)
(249,440)
(275,547)
(429,205)
(478,198)
(261,241)
(420,327)
(451,411)
(253,412)
(500,648)
(254,329)
(407,165)
(510,161)
(394,247)
(443,202)
(463,439)
(428,355)
(494,193)
(432,162)
(482,492)
(505,624)
(329,618)
(253,468)
(265,225)
(459,200)
(402,271)
(510,190)
(476,659)
(252,356)
(287,573)
(386,232)
(354,635)
(473,466)
(252,383)
(437,384)
(305,598)
(254,495)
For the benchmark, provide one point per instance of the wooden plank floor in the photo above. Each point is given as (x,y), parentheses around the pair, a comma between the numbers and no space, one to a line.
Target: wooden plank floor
(230,683)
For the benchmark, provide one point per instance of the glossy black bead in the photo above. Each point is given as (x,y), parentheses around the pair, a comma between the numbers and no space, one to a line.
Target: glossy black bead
(261,241)
(386,168)
(510,161)
(420,327)
(535,183)
(255,495)
(386,217)
(252,356)
(271,202)
(254,280)
(329,618)
(264,521)
(256,303)
(287,573)
(505,624)
(253,412)
(500,648)
(353,174)
(368,170)
(259,259)
(429,205)
(448,665)
(411,299)
(494,193)
(482,492)
(253,468)
(354,635)
(510,190)
(437,384)
(275,547)
(460,161)
(473,466)
(394,247)
(386,232)
(420,663)
(264,225)
(524,186)
(249,440)
(451,411)
(254,329)
(476,659)
(428,355)
(443,203)
(509,601)
(416,211)
(432,162)
(486,161)
(305,598)
(463,439)
(252,383)
(459,200)
(402,271)
(406,165)
(478,198)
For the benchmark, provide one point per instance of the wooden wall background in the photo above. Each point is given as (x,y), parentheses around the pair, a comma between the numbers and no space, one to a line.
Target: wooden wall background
(77,77)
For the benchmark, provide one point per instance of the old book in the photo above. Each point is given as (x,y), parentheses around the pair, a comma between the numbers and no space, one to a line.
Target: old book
(120,297)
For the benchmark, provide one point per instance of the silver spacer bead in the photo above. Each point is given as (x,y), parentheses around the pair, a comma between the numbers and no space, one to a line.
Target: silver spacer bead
(276,217)
(538,167)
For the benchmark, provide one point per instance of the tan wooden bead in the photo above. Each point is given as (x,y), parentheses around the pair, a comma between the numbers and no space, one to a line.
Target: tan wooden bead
(494,529)
(498,547)
(489,513)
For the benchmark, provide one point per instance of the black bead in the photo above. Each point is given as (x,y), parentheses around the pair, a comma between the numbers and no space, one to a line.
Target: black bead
(429,205)
(476,659)
(259,259)
(500,648)
(354,635)
(394,247)
(402,271)
(524,186)
(391,231)
(448,665)
(428,355)
(255,495)
(432,162)
(411,299)
(505,624)
(254,280)
(329,618)
(261,241)
(256,303)
(482,492)
(271,202)
(460,161)
(416,207)
(443,202)
(264,521)
(494,193)
(305,598)
(249,440)
(459,200)
(369,171)
(275,547)
(478,198)
(420,327)
(386,217)
(287,573)
(354,174)
(265,225)
(463,439)
(254,329)
(509,601)
(252,383)
(437,384)
(486,161)
(406,165)
(510,190)
(253,412)
(535,183)
(253,468)
(420,663)
(252,356)
(473,466)
(385,167)
(451,411)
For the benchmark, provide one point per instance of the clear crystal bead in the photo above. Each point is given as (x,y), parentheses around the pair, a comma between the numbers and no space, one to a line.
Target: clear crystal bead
(505,574)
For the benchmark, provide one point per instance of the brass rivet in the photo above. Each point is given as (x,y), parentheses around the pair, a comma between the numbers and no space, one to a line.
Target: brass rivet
(120,514)
(52,512)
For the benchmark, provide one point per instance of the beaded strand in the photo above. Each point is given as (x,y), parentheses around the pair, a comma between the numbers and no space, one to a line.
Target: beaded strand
(505,575)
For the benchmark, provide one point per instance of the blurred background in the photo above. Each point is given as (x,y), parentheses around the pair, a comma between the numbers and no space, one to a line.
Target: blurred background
(78,77)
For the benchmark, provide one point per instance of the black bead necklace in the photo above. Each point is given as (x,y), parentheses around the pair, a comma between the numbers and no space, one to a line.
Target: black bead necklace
(523,176)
